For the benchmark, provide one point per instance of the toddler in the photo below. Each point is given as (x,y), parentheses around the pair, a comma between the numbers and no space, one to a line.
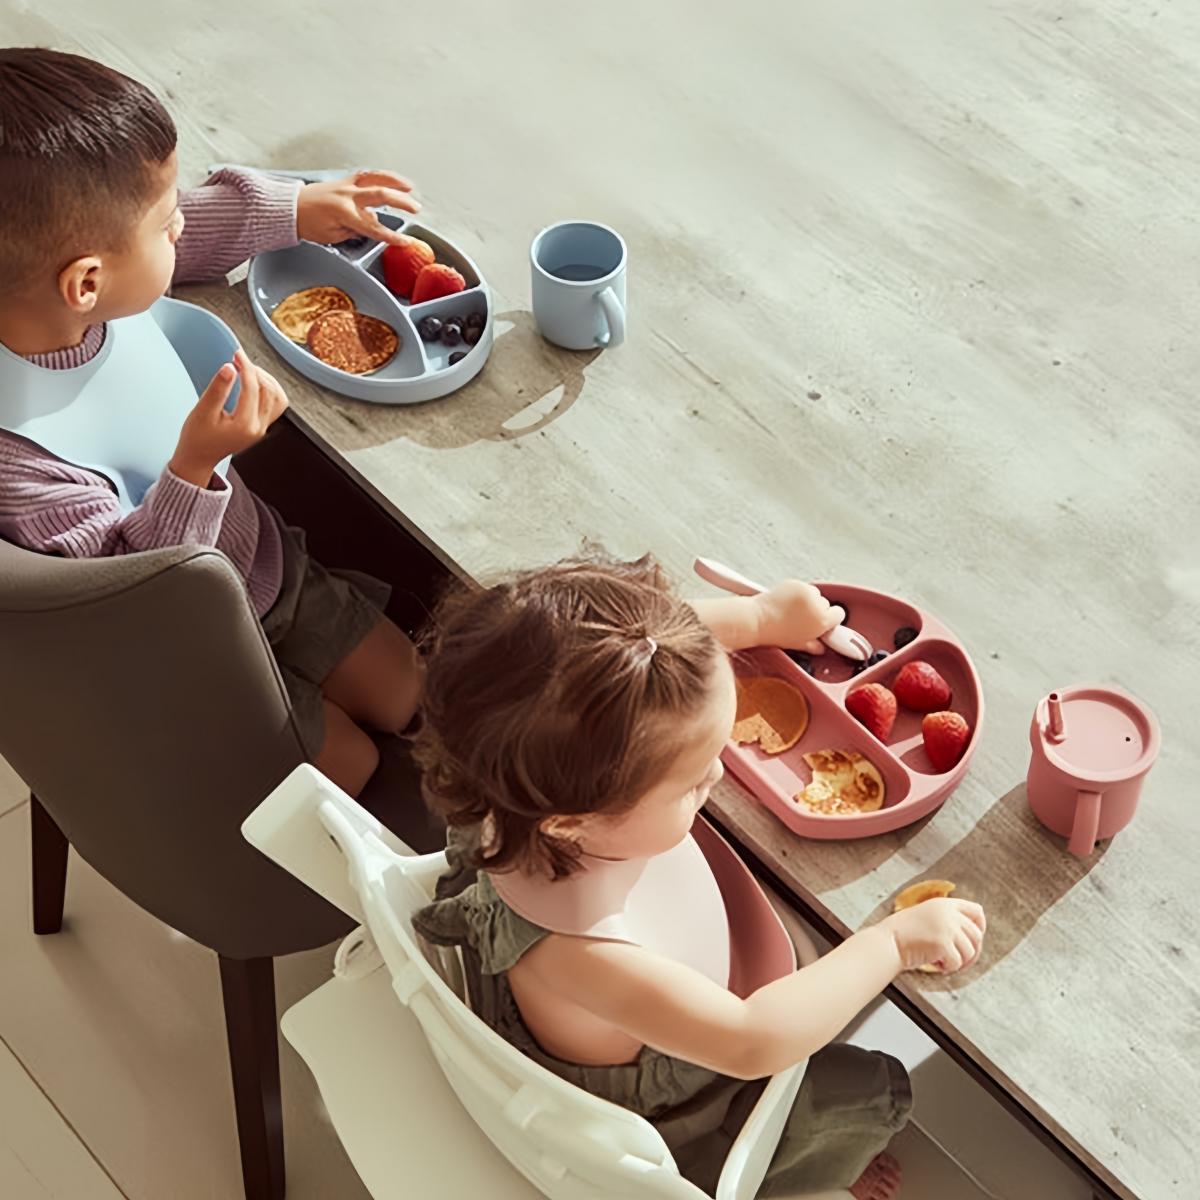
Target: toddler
(573,721)
(93,229)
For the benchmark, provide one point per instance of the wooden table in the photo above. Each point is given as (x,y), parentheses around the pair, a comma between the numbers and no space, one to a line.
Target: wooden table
(913,301)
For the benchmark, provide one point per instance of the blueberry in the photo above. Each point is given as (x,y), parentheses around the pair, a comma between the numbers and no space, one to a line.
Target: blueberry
(801,659)
(457,357)
(472,334)
(457,320)
(903,636)
(430,329)
(451,335)
(476,321)
(877,656)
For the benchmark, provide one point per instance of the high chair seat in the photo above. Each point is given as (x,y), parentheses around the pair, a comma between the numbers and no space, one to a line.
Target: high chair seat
(401,1124)
(412,1130)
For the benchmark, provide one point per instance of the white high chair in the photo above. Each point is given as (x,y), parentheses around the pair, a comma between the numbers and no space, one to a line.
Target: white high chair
(373,1058)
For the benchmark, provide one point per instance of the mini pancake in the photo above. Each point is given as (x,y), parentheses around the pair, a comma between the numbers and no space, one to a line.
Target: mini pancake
(352,342)
(918,893)
(771,712)
(843,781)
(294,314)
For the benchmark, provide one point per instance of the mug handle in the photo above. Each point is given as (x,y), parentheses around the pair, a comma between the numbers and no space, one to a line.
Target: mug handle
(614,314)
(1086,824)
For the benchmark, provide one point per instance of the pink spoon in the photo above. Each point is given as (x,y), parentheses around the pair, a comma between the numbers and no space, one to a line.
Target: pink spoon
(849,643)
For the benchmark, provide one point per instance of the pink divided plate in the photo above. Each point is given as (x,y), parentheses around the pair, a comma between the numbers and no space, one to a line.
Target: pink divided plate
(913,786)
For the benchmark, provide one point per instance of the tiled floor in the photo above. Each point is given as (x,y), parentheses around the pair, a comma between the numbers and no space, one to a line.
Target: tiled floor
(114,1079)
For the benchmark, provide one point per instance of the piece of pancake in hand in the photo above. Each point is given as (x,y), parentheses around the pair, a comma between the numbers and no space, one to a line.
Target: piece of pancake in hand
(918,893)
(771,712)
(294,314)
(843,781)
(352,342)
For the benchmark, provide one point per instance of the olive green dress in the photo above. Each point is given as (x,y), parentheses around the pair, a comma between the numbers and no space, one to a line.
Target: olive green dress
(850,1104)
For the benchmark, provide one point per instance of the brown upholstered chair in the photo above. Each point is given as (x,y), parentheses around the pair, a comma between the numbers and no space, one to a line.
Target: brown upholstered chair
(142,706)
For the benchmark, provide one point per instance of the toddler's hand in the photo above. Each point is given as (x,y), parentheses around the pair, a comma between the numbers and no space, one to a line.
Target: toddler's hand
(210,434)
(795,614)
(340,209)
(943,933)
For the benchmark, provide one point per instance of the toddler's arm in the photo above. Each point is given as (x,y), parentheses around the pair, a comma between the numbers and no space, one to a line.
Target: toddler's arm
(681,1012)
(791,614)
(232,216)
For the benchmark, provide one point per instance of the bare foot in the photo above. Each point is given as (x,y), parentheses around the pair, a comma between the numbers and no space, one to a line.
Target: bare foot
(880,1181)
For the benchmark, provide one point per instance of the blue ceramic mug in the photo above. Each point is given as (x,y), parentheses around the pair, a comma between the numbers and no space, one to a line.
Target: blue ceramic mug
(579,285)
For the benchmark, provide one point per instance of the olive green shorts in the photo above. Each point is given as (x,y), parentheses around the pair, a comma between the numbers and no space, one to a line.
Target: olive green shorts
(318,618)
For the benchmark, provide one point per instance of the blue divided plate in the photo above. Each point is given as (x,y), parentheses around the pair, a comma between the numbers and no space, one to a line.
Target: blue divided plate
(418,371)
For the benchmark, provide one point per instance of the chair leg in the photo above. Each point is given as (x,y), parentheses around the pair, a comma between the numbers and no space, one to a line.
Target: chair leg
(48,868)
(248,988)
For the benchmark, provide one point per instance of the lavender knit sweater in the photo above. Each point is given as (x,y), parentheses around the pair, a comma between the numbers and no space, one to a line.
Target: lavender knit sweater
(49,505)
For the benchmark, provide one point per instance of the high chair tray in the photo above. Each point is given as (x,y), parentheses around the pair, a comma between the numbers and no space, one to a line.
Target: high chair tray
(419,370)
(913,786)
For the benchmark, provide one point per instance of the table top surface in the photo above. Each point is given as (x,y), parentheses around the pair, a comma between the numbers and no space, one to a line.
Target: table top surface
(912,304)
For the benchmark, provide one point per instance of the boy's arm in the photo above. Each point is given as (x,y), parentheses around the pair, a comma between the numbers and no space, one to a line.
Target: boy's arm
(56,508)
(232,216)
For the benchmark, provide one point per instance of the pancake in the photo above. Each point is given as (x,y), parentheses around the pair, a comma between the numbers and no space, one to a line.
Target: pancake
(918,893)
(295,313)
(352,342)
(843,781)
(770,712)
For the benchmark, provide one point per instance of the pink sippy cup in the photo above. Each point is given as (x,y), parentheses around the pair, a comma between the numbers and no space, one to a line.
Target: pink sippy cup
(1092,747)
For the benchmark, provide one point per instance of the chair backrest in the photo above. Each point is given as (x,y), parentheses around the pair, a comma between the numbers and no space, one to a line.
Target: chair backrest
(142,705)
(569,1144)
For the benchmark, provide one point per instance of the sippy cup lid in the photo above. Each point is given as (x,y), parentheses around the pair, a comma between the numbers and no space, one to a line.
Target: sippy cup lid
(1103,731)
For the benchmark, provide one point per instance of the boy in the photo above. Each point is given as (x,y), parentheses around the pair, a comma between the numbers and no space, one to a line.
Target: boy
(92,232)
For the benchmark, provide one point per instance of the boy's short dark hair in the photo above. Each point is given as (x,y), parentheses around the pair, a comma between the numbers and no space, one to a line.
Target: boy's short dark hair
(79,146)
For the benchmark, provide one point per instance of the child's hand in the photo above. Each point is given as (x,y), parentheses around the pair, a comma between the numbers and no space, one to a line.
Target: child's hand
(793,615)
(334,211)
(210,434)
(943,933)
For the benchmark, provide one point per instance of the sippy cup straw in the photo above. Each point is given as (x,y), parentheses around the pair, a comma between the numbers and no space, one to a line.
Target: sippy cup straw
(1057,730)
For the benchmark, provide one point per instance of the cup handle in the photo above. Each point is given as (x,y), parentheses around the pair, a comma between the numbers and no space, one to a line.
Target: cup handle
(614,314)
(1086,825)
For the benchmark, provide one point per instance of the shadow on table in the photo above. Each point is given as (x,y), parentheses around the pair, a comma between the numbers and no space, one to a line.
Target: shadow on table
(1016,869)
(525,386)
(832,865)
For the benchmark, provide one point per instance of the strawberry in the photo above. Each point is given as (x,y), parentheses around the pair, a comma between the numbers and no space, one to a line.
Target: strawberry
(402,264)
(437,280)
(945,735)
(875,707)
(919,687)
